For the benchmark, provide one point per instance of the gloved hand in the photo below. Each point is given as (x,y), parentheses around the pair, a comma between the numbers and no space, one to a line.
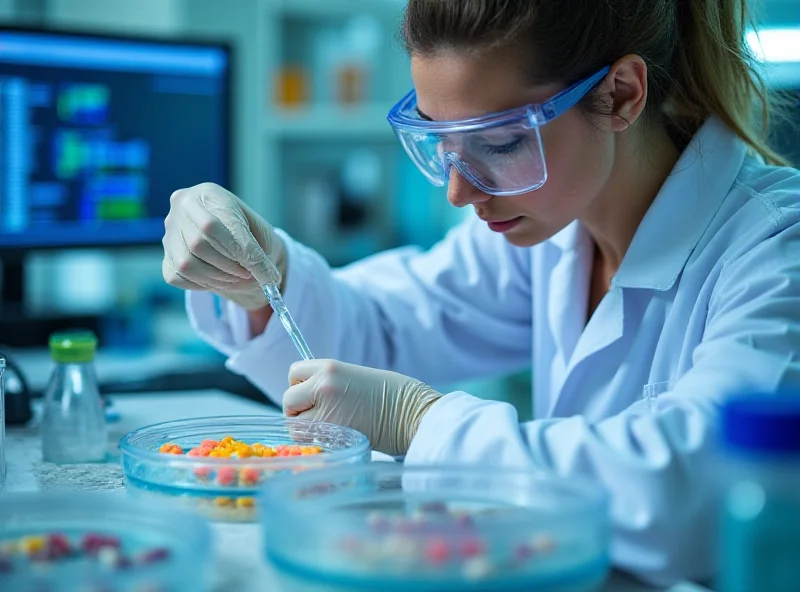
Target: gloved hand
(214,242)
(385,406)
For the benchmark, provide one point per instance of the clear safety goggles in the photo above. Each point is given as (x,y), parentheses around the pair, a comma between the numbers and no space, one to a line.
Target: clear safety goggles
(500,153)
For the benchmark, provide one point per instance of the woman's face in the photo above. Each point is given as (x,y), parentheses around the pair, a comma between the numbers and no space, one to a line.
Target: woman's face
(579,156)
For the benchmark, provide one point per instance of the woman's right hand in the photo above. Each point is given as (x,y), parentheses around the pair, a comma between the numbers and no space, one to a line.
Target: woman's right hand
(214,242)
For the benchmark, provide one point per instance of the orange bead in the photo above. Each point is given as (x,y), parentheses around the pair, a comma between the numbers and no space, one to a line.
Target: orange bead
(224,502)
(295,451)
(170,448)
(249,476)
(268,452)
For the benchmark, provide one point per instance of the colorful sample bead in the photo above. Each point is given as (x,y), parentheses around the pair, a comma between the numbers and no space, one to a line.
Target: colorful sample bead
(52,548)
(227,447)
(170,448)
(233,507)
(439,540)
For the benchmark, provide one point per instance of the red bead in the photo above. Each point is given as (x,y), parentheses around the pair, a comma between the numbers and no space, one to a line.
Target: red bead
(58,546)
(92,543)
(226,475)
(437,551)
(471,547)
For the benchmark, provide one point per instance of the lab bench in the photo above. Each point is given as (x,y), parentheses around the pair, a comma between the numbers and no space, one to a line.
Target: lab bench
(237,547)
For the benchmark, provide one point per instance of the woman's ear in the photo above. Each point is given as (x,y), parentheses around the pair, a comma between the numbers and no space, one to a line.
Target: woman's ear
(625,90)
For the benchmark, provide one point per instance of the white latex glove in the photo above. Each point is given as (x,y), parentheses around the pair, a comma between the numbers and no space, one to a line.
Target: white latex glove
(214,242)
(385,406)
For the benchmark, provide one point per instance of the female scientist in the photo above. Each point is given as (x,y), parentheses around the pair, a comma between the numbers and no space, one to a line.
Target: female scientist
(631,230)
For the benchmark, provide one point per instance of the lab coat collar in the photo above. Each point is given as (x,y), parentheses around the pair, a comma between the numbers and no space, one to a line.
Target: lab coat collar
(683,209)
(571,237)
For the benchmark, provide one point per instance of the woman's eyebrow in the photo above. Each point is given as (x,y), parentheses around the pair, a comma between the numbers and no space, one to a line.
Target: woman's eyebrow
(423,116)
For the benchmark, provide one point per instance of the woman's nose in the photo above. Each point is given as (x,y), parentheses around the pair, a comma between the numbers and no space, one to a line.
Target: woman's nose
(461,192)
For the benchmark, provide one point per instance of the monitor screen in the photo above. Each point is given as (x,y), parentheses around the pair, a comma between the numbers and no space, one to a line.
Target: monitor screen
(96,133)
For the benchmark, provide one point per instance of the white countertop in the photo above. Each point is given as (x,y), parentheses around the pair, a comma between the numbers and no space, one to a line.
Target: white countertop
(239,565)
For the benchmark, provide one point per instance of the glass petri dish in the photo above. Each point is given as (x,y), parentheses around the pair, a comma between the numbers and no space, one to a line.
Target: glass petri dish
(225,489)
(436,528)
(156,549)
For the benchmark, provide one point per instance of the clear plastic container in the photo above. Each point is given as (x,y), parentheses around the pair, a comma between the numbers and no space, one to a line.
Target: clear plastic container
(178,545)
(439,528)
(759,527)
(199,482)
(2,425)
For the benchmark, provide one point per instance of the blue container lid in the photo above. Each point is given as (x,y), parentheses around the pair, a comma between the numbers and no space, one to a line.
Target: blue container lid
(765,423)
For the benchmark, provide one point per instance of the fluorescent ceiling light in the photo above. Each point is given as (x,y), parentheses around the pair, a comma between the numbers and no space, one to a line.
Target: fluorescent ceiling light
(775,45)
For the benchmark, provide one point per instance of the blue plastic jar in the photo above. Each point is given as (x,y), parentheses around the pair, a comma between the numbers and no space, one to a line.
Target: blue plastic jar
(759,546)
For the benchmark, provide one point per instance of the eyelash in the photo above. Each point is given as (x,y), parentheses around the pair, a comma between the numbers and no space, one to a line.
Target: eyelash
(505,149)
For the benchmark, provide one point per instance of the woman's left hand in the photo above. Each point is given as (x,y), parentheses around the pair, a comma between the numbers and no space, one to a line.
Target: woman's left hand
(385,406)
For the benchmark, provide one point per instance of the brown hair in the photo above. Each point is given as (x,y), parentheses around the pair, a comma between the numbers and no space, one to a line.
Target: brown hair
(697,59)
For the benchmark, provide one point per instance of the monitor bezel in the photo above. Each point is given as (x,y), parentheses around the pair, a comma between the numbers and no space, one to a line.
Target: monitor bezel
(18,252)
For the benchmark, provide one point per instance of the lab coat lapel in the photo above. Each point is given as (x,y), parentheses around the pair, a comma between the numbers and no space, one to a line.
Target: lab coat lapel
(604,328)
(569,294)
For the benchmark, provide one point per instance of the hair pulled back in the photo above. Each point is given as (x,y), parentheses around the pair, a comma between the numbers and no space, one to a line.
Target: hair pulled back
(698,61)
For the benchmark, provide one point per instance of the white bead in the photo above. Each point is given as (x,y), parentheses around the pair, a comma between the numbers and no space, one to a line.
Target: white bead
(477,568)
(542,543)
(108,556)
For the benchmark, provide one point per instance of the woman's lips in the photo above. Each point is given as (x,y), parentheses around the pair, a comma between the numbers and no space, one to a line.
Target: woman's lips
(505,225)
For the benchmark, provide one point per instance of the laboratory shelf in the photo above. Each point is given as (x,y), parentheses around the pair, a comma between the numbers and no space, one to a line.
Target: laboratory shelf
(326,121)
(324,9)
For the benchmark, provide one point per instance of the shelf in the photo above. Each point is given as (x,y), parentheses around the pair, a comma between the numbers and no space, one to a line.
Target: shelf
(325,122)
(323,9)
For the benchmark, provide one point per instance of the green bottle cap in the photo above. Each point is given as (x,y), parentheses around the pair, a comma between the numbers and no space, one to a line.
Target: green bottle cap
(73,347)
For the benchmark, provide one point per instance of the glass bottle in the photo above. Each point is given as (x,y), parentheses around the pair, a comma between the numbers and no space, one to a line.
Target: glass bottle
(73,422)
(759,538)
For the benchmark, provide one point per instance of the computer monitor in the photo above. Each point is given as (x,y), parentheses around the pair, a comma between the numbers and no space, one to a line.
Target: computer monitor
(97,131)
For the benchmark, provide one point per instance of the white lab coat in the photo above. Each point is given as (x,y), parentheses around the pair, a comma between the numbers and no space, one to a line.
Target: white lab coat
(707,299)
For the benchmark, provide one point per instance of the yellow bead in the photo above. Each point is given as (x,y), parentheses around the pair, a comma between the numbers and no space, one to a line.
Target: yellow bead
(32,544)
(245,502)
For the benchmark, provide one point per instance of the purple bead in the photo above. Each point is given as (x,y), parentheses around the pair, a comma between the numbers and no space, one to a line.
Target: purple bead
(154,556)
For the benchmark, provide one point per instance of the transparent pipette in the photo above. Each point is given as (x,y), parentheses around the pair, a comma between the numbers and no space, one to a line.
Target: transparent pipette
(273,294)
